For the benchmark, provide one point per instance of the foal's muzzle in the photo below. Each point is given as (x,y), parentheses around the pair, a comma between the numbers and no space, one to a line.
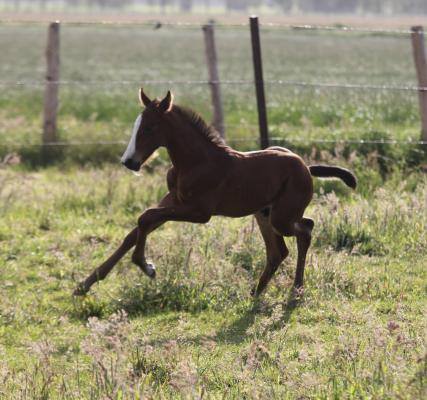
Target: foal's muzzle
(131,164)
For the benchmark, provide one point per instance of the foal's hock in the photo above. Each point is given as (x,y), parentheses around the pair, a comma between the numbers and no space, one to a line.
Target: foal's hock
(209,178)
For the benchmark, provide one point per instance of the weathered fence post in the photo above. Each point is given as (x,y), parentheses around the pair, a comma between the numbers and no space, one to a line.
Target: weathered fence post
(212,61)
(259,82)
(52,87)
(418,47)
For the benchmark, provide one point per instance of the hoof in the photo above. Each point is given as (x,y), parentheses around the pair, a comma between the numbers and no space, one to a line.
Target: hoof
(255,292)
(149,269)
(80,290)
(298,291)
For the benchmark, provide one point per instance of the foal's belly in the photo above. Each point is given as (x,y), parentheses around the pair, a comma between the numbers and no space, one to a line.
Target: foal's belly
(248,190)
(239,206)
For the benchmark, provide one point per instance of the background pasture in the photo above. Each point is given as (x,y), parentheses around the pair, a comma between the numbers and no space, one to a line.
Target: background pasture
(358,329)
(104,64)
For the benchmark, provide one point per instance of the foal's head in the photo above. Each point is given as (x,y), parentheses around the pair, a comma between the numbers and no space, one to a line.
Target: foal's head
(148,131)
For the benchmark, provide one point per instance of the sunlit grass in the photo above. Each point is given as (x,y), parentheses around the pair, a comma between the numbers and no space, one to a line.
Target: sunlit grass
(357,328)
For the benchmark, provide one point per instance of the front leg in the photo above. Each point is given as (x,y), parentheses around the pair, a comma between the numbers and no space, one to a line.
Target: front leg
(102,271)
(154,218)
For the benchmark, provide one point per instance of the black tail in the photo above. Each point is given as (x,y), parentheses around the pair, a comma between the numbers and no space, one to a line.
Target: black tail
(324,171)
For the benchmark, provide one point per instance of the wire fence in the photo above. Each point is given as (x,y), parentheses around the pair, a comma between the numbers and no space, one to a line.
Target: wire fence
(231,141)
(158,24)
(327,85)
(180,24)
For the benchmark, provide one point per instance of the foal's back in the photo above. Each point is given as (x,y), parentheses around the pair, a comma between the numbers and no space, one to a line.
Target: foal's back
(254,180)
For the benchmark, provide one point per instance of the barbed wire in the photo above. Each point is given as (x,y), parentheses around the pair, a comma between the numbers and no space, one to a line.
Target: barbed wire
(336,85)
(338,141)
(342,28)
(327,85)
(230,140)
(158,23)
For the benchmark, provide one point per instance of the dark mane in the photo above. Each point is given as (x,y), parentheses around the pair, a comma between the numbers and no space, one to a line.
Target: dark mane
(196,120)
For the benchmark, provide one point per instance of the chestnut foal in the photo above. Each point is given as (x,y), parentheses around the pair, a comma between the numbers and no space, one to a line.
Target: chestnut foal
(210,178)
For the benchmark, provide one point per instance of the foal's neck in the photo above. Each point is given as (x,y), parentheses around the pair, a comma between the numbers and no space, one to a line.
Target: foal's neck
(188,148)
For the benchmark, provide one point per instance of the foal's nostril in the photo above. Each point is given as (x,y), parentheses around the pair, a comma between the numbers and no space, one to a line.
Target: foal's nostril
(131,164)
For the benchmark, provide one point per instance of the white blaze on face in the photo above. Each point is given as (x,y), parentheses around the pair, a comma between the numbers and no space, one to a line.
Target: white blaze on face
(130,150)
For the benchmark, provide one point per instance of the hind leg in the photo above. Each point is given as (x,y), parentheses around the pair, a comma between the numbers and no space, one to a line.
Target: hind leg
(287,219)
(275,248)
(303,233)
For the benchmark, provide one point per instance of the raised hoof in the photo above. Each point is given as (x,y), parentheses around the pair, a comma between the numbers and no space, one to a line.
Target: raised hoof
(80,290)
(149,269)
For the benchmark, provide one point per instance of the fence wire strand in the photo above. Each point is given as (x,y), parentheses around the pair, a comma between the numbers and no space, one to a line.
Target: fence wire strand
(325,85)
(157,24)
(230,140)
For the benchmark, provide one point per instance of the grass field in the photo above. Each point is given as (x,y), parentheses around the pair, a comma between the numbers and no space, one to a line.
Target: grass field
(356,331)
(99,108)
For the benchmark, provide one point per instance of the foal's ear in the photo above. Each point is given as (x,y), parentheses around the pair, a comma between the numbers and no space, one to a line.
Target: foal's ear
(167,103)
(143,99)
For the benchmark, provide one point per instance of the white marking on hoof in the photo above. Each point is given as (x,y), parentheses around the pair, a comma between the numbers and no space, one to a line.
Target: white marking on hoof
(150,270)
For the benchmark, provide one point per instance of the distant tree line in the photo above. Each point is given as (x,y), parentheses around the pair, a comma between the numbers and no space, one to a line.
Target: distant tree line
(288,6)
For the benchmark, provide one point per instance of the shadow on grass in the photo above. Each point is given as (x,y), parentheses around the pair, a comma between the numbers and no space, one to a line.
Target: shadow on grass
(235,333)
(192,298)
(156,298)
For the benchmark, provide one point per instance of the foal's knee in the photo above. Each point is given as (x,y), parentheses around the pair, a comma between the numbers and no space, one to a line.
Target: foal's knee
(146,219)
(288,230)
(303,234)
(308,223)
(304,227)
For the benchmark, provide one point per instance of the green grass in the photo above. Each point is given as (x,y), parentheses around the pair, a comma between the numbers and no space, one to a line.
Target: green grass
(99,109)
(357,331)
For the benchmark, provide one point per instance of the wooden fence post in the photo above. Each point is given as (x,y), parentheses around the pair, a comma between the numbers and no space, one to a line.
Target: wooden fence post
(418,47)
(212,61)
(52,87)
(259,82)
